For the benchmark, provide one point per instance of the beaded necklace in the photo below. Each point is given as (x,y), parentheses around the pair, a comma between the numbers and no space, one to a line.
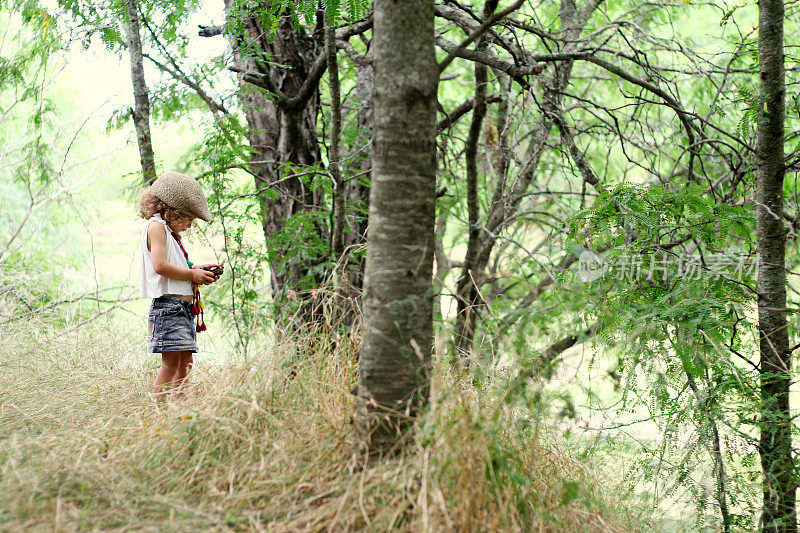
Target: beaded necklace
(197,303)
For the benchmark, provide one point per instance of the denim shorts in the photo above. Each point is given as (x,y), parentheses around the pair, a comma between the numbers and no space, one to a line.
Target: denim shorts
(171,325)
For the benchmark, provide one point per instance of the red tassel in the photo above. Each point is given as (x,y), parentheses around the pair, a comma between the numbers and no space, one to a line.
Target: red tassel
(200,324)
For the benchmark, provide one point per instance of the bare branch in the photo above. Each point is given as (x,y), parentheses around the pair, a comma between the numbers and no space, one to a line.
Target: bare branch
(464,108)
(480,31)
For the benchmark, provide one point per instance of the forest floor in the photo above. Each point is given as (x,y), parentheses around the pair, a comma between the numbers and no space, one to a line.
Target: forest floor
(82,446)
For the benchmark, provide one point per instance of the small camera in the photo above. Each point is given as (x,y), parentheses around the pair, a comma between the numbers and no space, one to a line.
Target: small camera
(216,270)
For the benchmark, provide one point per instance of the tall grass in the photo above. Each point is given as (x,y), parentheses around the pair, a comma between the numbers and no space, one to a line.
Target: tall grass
(264,444)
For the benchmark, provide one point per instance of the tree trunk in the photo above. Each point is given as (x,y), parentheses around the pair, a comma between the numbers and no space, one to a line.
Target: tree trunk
(356,186)
(334,165)
(505,202)
(357,192)
(482,238)
(779,512)
(467,287)
(343,310)
(397,337)
(141,110)
(283,138)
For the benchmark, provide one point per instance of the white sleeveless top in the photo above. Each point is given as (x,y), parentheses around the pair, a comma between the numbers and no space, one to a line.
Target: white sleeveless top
(154,284)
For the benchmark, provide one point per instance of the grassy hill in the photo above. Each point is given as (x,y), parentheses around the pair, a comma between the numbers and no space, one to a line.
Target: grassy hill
(265,443)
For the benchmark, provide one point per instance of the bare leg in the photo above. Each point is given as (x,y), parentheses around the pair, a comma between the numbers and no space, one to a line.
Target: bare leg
(165,380)
(184,367)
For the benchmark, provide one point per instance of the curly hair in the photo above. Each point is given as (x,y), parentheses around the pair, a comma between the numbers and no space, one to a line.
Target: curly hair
(149,204)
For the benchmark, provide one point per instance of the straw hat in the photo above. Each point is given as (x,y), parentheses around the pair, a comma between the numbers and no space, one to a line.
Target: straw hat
(181,192)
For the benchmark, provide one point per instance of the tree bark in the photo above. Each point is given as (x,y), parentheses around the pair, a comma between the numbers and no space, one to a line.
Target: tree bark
(397,337)
(283,137)
(141,110)
(779,513)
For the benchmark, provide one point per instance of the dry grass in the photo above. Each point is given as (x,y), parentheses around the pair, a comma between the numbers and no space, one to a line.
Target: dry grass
(82,447)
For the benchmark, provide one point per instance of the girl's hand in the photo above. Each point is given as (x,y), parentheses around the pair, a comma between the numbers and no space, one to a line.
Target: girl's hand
(202,277)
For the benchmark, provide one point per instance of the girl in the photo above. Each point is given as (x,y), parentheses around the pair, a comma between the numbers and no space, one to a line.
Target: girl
(170,206)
